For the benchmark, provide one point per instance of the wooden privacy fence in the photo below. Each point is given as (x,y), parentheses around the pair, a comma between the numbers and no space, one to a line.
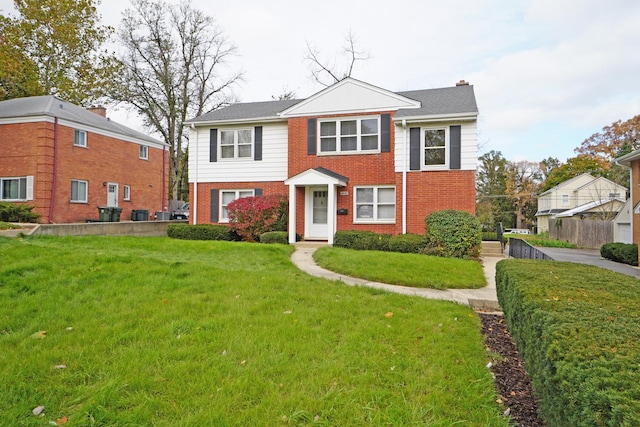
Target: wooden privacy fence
(585,233)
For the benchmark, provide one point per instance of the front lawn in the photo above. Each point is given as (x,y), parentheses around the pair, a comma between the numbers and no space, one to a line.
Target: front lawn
(418,271)
(154,331)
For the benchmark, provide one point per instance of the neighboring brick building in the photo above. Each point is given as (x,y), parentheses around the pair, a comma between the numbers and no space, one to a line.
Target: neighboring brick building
(66,161)
(351,157)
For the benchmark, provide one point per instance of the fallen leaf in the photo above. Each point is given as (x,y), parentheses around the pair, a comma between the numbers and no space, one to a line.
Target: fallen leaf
(556,298)
(38,410)
(62,420)
(288,312)
(243,363)
(39,334)
(388,314)
(60,366)
(70,328)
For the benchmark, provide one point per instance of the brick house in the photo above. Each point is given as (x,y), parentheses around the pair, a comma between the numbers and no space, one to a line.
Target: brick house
(632,161)
(350,157)
(66,161)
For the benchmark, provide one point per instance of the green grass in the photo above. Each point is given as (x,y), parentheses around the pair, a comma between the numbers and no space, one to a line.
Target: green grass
(7,226)
(419,271)
(542,240)
(164,332)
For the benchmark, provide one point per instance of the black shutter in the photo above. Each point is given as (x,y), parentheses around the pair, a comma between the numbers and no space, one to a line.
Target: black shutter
(385,133)
(213,145)
(455,137)
(214,205)
(257,192)
(312,140)
(257,146)
(414,149)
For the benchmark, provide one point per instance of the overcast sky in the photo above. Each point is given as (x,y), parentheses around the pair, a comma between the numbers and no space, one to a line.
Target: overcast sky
(547,73)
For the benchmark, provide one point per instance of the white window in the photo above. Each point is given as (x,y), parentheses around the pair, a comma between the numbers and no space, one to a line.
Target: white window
(13,188)
(350,135)
(126,192)
(79,191)
(435,148)
(236,144)
(228,196)
(565,200)
(375,204)
(79,138)
(144,152)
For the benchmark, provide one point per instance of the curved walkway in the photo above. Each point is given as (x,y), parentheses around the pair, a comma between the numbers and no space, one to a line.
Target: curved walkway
(484,299)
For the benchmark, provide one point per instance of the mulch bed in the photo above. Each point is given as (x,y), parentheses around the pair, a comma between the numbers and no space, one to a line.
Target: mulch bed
(512,383)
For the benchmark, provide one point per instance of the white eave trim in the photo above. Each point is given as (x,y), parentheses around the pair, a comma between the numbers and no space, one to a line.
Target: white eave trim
(437,118)
(259,120)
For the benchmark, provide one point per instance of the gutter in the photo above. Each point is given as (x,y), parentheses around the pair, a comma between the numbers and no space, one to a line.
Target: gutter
(404,178)
(194,203)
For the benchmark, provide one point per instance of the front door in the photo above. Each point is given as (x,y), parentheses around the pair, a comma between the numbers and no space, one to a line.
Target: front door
(316,213)
(112,195)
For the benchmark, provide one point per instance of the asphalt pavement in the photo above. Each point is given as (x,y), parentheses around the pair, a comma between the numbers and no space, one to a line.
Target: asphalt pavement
(591,257)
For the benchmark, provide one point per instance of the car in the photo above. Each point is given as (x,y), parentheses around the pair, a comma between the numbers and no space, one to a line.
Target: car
(181,213)
(517,231)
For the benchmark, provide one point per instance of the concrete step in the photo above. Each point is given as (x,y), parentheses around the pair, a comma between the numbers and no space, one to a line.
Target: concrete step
(491,249)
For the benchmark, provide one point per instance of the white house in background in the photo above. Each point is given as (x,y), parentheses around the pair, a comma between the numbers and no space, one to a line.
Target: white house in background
(583,195)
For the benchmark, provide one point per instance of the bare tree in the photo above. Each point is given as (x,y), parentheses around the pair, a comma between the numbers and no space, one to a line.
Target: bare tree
(327,71)
(173,61)
(522,183)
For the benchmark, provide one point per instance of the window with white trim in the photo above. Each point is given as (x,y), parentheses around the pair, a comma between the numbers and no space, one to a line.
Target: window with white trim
(144,152)
(228,196)
(375,204)
(350,135)
(236,143)
(79,138)
(13,189)
(126,192)
(565,200)
(79,191)
(435,147)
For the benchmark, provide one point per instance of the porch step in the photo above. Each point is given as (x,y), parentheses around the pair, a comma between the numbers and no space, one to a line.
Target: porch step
(492,249)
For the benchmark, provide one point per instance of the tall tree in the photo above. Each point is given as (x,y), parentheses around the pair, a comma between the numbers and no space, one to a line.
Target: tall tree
(491,182)
(18,73)
(573,167)
(60,41)
(548,165)
(523,180)
(174,58)
(327,71)
(617,137)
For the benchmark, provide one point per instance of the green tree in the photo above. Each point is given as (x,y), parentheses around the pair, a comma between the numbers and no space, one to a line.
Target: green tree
(573,167)
(548,165)
(60,41)
(18,73)
(492,204)
(523,182)
(174,59)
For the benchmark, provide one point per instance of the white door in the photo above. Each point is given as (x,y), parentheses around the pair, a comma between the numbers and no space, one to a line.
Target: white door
(112,195)
(316,213)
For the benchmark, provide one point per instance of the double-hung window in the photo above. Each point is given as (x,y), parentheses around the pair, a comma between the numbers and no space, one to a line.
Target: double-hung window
(375,204)
(79,138)
(565,200)
(228,196)
(79,190)
(126,192)
(350,135)
(236,143)
(144,152)
(13,188)
(434,147)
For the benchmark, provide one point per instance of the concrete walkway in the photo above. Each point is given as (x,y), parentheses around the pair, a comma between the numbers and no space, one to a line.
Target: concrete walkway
(484,299)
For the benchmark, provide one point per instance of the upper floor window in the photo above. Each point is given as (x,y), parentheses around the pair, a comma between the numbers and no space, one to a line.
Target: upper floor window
(79,191)
(565,200)
(350,135)
(375,204)
(236,143)
(79,138)
(434,147)
(228,196)
(13,188)
(144,152)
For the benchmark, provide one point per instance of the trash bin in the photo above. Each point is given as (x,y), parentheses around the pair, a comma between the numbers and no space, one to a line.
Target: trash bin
(115,214)
(163,216)
(104,214)
(139,215)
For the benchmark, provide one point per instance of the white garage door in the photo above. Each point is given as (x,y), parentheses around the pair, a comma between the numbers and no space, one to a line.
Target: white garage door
(624,232)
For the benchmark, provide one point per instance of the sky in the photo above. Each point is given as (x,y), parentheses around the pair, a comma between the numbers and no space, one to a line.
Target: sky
(547,74)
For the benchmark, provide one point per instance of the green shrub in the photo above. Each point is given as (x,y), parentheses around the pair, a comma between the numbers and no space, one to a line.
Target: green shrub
(361,240)
(626,253)
(17,212)
(407,243)
(275,237)
(201,232)
(452,233)
(576,327)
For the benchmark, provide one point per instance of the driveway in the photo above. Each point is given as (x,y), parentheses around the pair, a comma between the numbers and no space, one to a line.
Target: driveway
(590,256)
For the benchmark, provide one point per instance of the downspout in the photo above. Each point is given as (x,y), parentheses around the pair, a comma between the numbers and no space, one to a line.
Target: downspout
(54,181)
(404,178)
(165,196)
(194,197)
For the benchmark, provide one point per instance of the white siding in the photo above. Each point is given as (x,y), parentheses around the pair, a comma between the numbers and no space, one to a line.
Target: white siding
(272,167)
(468,143)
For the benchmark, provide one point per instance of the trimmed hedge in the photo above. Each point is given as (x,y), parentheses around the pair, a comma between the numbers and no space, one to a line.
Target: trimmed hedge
(626,253)
(576,327)
(275,237)
(17,212)
(407,243)
(453,233)
(201,232)
(361,240)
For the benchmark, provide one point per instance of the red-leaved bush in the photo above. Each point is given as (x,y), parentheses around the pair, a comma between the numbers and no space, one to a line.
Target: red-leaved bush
(252,216)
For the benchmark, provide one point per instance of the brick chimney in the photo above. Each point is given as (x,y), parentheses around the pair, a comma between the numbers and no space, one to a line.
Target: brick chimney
(462,83)
(98,109)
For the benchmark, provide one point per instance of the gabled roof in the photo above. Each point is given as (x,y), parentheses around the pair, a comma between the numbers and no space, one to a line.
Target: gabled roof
(567,182)
(600,178)
(457,101)
(318,176)
(20,109)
